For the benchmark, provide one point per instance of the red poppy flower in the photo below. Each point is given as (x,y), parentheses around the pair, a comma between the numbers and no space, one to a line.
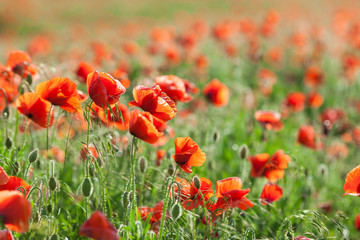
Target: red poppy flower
(15,183)
(357,222)
(103,89)
(15,211)
(258,163)
(315,100)
(271,120)
(314,77)
(352,182)
(174,87)
(123,77)
(92,150)
(60,92)
(296,101)
(191,197)
(271,193)
(145,212)
(6,235)
(145,126)
(4,178)
(188,154)
(157,212)
(332,115)
(154,101)
(217,93)
(35,108)
(117,116)
(20,63)
(306,137)
(98,228)
(83,71)
(230,195)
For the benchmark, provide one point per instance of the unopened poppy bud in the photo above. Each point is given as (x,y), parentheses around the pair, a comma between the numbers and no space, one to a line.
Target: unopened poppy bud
(142,164)
(87,187)
(243,151)
(91,170)
(6,112)
(170,170)
(8,143)
(216,136)
(176,211)
(52,183)
(29,79)
(33,155)
(54,237)
(197,182)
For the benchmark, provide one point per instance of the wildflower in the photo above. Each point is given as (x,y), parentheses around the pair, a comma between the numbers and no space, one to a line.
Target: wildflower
(352,182)
(174,87)
(16,183)
(83,70)
(117,116)
(271,193)
(306,137)
(217,93)
(271,120)
(98,228)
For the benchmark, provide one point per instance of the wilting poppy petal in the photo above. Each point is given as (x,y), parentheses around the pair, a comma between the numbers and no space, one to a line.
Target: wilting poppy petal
(103,89)
(15,211)
(98,228)
(35,108)
(188,154)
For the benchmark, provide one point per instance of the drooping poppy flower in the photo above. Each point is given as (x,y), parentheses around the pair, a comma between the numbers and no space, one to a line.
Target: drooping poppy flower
(174,87)
(315,100)
(188,154)
(357,222)
(20,63)
(154,101)
(191,197)
(16,183)
(352,182)
(266,81)
(83,70)
(91,149)
(35,108)
(230,195)
(307,137)
(295,101)
(145,126)
(314,77)
(6,235)
(103,89)
(98,227)
(4,178)
(217,93)
(15,211)
(117,116)
(271,193)
(271,120)
(60,92)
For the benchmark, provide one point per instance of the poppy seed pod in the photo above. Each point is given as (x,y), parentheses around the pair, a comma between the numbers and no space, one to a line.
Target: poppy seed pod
(87,187)
(142,164)
(243,151)
(33,155)
(176,211)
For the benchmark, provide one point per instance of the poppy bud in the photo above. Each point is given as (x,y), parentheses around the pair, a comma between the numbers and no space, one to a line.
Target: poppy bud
(87,187)
(216,136)
(176,211)
(29,79)
(52,184)
(170,170)
(197,182)
(6,112)
(243,151)
(142,164)
(33,155)
(8,143)
(91,170)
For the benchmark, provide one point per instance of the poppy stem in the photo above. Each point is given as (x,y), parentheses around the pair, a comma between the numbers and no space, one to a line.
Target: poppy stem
(132,175)
(168,188)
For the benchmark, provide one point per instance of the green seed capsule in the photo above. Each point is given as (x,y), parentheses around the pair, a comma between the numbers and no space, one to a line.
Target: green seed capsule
(33,155)
(8,143)
(176,211)
(52,183)
(87,187)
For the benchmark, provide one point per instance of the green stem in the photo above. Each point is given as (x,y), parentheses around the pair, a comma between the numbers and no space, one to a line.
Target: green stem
(133,175)
(166,203)
(102,186)
(16,127)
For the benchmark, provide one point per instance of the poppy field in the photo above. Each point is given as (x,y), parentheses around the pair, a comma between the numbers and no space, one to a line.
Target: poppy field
(179,120)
